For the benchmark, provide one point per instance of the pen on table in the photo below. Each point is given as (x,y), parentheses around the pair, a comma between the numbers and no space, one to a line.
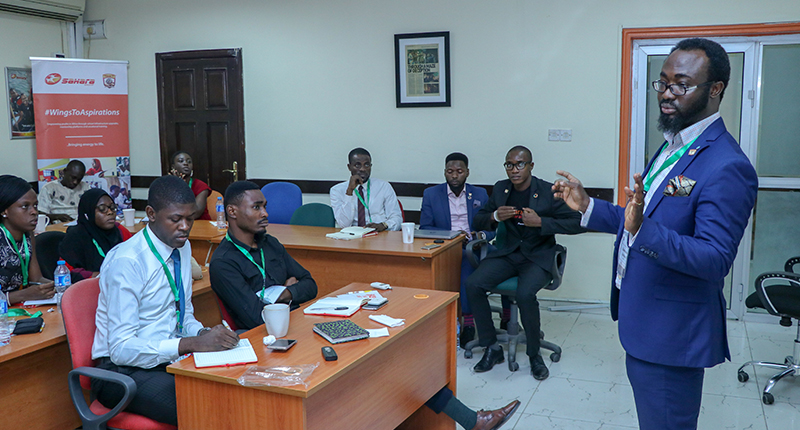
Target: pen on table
(338,308)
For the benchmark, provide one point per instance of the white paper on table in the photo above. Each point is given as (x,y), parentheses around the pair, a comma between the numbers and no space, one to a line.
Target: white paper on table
(377,332)
(50,301)
(387,320)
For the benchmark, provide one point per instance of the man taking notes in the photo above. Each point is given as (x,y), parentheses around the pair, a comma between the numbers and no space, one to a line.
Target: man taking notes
(251,268)
(145,318)
(676,239)
(365,201)
(59,199)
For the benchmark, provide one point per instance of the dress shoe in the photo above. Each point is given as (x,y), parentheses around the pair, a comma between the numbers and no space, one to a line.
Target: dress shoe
(491,420)
(538,369)
(467,334)
(489,359)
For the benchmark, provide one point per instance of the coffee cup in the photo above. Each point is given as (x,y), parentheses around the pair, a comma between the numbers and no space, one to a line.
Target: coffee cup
(42,223)
(276,319)
(130,215)
(408,232)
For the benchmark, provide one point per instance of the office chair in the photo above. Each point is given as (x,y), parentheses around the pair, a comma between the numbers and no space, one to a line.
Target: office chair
(402,212)
(211,204)
(283,198)
(223,312)
(508,288)
(78,308)
(314,214)
(781,299)
(47,251)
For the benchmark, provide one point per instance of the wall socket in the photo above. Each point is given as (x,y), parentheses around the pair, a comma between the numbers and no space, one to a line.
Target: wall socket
(559,135)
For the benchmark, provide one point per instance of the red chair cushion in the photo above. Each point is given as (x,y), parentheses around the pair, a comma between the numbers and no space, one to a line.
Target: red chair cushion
(129,421)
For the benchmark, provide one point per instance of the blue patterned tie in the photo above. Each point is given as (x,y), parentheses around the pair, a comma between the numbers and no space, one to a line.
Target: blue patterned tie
(176,264)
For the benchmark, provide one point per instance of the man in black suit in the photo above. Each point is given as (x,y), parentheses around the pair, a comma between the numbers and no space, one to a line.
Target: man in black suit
(531,217)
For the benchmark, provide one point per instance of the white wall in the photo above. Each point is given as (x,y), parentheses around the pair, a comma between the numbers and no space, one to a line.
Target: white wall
(23,37)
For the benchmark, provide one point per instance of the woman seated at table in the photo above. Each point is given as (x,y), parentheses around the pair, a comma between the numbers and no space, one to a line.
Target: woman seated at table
(20,276)
(182,167)
(86,244)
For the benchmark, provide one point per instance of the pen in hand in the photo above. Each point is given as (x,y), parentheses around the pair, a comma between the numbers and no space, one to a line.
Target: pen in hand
(225,323)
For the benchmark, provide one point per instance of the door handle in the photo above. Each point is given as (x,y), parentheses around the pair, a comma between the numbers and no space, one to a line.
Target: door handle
(235,171)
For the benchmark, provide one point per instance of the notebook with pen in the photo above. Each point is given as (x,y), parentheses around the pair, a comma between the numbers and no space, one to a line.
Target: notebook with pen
(242,354)
(336,306)
(340,331)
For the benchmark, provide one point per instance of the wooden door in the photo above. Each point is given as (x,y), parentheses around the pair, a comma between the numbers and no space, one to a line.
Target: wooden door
(201,111)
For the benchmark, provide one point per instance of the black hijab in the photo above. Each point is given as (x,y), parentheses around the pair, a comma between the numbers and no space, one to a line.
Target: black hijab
(78,248)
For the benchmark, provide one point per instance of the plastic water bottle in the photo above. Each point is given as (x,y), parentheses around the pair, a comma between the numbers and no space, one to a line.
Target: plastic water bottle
(62,280)
(5,333)
(220,214)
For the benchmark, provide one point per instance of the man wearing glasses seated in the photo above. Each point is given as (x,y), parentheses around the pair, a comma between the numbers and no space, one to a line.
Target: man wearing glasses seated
(365,201)
(531,217)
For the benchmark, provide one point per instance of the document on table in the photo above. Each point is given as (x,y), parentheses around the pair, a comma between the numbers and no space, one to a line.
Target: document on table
(51,301)
(335,306)
(243,353)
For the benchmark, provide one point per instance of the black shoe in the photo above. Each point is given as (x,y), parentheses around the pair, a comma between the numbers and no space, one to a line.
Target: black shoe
(489,359)
(467,334)
(538,369)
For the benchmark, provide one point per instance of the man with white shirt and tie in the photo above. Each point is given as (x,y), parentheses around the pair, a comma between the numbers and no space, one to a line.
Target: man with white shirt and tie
(365,201)
(145,319)
(677,238)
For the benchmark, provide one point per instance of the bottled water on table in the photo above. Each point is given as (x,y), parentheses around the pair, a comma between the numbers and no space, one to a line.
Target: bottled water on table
(5,333)
(62,280)
(220,214)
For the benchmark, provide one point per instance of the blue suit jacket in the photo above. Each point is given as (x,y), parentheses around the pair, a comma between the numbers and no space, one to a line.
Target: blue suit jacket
(671,307)
(436,207)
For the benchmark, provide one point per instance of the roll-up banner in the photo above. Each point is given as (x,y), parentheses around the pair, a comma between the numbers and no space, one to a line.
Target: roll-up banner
(81,111)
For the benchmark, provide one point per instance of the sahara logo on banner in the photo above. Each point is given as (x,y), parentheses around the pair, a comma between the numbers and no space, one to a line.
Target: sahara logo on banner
(81,111)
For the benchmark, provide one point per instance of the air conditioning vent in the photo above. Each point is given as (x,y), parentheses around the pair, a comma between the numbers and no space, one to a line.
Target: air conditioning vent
(62,10)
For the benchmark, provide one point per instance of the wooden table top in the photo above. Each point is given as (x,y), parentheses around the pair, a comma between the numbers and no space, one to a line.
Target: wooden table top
(54,333)
(402,304)
(386,242)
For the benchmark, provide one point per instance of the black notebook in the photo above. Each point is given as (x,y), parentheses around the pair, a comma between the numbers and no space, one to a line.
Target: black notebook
(340,331)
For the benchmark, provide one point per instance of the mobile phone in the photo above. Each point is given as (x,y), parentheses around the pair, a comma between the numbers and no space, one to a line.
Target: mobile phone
(431,246)
(282,344)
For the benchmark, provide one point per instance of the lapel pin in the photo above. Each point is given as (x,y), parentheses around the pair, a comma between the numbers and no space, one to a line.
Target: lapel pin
(506,191)
(692,151)
(535,195)
(469,196)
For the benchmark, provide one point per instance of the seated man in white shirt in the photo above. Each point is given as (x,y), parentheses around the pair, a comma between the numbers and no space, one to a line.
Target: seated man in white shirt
(59,199)
(365,201)
(145,319)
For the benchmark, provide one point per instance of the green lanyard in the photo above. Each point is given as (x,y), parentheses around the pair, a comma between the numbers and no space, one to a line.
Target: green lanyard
(99,249)
(170,279)
(24,258)
(648,180)
(366,204)
(260,268)
(190,182)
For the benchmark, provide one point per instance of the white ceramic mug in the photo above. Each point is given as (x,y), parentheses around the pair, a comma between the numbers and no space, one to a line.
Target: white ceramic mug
(408,232)
(42,223)
(276,318)
(129,215)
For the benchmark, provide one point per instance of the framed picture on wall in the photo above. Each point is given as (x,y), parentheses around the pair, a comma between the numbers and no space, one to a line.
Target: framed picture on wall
(20,103)
(422,69)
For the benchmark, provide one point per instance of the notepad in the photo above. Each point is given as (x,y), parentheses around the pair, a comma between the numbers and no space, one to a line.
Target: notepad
(350,233)
(243,353)
(340,331)
(336,306)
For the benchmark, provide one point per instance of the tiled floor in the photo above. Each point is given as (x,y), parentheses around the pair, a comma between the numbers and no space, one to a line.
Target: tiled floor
(589,390)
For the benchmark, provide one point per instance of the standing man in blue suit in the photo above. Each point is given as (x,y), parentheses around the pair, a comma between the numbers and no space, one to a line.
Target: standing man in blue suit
(451,206)
(676,239)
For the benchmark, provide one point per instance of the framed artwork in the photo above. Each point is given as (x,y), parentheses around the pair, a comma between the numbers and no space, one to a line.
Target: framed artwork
(422,69)
(20,103)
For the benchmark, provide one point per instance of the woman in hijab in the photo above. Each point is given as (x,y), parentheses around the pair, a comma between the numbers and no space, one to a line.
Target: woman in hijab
(20,276)
(86,244)
(181,166)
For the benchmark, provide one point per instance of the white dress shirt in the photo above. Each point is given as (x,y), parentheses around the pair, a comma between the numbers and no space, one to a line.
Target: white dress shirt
(136,319)
(382,204)
(674,143)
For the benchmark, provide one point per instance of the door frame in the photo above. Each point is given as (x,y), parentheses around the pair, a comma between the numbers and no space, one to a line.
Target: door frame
(236,54)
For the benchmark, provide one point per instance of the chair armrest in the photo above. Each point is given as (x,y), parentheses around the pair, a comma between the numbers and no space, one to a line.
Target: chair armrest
(559,263)
(482,246)
(792,278)
(90,420)
(790,263)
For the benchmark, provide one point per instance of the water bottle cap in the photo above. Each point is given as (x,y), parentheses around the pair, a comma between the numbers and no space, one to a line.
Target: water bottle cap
(219,198)
(61,262)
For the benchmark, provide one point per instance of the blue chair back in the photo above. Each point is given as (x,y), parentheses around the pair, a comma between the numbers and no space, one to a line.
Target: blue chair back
(283,198)
(314,214)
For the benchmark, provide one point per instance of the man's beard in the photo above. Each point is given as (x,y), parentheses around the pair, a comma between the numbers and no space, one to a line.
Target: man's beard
(682,118)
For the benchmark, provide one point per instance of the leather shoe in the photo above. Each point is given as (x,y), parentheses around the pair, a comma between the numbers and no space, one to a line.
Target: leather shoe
(538,369)
(491,420)
(489,359)
(467,334)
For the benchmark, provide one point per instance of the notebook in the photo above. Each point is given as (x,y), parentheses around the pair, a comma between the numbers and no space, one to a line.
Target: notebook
(340,331)
(243,353)
(336,306)
(350,233)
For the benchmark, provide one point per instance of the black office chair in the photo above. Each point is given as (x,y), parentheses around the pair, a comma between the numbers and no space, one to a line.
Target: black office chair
(781,299)
(47,251)
(508,288)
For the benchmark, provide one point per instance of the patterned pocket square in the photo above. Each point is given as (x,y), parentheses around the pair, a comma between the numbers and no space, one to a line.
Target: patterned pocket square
(679,186)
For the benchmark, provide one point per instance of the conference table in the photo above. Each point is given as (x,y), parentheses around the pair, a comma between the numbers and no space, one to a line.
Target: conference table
(377,383)
(34,368)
